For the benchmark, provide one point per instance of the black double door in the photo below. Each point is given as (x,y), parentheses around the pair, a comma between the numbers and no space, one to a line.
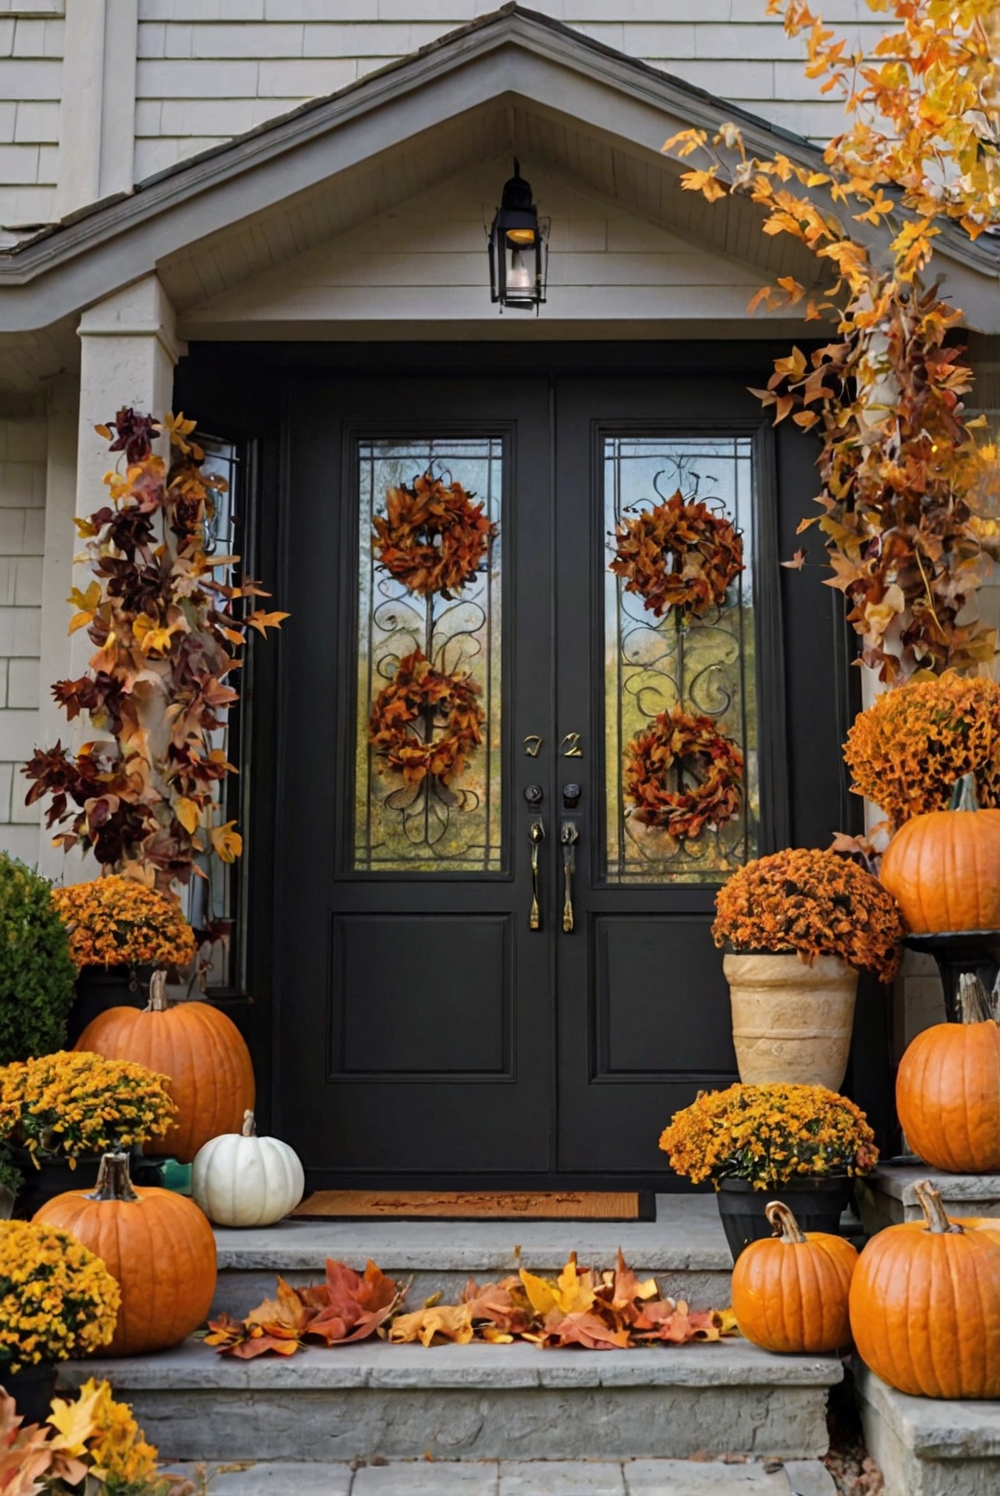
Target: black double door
(431,1028)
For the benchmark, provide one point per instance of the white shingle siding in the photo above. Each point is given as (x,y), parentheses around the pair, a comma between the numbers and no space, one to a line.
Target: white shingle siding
(210,69)
(22,537)
(30,84)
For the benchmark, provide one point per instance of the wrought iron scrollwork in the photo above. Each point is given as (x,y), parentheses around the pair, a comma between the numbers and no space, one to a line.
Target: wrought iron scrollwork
(704,664)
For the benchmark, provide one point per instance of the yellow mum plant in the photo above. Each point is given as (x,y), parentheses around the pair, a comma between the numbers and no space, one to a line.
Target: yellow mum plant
(57,1299)
(73,1102)
(120,1454)
(90,1445)
(909,747)
(768,1135)
(113,921)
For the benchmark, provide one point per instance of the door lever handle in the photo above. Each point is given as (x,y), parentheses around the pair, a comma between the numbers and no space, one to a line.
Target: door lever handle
(569,838)
(537,834)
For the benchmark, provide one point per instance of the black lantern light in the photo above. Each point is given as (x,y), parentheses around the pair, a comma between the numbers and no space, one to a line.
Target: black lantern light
(518,251)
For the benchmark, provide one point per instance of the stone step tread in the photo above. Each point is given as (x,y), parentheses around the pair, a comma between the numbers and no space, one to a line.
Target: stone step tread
(935,1428)
(521,1478)
(194,1366)
(686,1235)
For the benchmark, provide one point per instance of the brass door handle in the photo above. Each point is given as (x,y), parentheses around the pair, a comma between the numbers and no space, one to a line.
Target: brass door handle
(537,834)
(569,838)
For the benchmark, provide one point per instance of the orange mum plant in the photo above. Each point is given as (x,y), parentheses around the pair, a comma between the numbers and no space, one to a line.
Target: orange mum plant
(907,750)
(906,489)
(812,903)
(112,921)
(768,1135)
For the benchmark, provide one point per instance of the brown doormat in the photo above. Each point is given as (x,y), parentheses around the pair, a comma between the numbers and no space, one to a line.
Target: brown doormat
(471,1205)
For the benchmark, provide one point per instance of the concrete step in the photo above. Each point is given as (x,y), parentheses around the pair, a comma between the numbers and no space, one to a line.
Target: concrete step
(684,1249)
(930,1447)
(477,1402)
(521,1478)
(888,1196)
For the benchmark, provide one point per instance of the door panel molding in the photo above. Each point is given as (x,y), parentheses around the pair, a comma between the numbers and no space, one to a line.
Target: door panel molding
(367,1003)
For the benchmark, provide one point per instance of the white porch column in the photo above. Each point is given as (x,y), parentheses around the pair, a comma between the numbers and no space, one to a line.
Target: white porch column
(129,347)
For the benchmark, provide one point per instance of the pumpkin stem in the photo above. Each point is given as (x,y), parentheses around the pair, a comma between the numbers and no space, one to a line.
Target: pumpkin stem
(158,1000)
(249,1125)
(974,1000)
(785,1225)
(963,795)
(938,1223)
(113,1179)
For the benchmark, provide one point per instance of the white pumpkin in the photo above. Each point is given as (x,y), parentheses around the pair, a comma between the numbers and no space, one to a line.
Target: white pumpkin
(239,1179)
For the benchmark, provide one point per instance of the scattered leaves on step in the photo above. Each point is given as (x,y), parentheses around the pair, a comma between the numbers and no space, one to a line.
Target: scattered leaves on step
(609,1310)
(347,1306)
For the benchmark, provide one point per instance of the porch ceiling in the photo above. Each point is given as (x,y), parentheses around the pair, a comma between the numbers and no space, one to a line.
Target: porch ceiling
(425,201)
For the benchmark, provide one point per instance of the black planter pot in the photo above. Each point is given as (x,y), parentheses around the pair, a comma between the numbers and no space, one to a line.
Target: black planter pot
(31,1388)
(101,987)
(817,1204)
(52,1177)
(55,1177)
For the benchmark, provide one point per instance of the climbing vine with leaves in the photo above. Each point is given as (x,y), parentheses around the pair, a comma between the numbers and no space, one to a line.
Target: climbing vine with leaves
(145,795)
(908,482)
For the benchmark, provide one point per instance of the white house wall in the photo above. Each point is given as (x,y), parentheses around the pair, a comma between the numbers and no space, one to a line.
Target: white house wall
(147,83)
(31,76)
(22,545)
(210,69)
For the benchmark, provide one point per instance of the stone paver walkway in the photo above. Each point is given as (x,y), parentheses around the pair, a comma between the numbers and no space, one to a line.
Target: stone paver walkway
(517,1478)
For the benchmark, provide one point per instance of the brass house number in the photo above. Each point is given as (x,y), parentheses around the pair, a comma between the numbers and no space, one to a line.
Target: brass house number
(570,746)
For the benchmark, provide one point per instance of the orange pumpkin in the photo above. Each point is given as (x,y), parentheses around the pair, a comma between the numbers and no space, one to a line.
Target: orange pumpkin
(790,1291)
(948,1088)
(198,1048)
(943,869)
(158,1246)
(925,1304)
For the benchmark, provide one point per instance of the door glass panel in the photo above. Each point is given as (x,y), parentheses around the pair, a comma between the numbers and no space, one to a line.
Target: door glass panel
(428,754)
(703,665)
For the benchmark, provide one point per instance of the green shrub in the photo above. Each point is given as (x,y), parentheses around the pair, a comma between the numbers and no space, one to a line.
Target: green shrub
(36,973)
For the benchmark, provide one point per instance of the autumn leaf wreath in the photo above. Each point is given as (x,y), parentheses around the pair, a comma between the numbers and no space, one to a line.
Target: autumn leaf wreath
(417,691)
(678,555)
(654,761)
(432,537)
